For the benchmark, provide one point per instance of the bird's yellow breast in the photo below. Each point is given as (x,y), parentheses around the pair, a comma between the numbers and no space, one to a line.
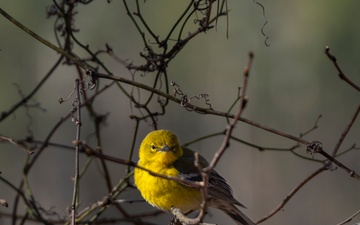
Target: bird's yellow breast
(163,193)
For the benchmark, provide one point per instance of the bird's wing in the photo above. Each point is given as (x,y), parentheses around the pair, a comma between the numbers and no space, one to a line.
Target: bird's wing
(186,165)
(217,186)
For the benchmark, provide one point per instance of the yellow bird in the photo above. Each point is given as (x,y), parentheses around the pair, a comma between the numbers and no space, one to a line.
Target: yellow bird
(160,152)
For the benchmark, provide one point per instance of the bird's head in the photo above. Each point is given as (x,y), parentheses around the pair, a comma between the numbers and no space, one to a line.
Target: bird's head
(161,146)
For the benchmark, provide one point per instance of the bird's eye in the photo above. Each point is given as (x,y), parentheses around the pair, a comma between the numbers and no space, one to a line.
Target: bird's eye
(153,147)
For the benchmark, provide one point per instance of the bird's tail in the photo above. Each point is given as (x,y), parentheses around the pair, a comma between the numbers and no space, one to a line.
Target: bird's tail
(239,217)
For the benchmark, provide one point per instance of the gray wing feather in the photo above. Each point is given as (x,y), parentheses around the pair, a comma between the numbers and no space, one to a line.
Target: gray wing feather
(217,186)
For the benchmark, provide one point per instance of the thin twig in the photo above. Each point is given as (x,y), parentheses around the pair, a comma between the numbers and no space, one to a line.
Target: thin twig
(186,220)
(16,143)
(4,115)
(231,126)
(102,205)
(341,73)
(43,41)
(223,114)
(204,194)
(345,132)
(350,218)
(316,147)
(292,193)
(206,171)
(302,134)
(197,108)
(92,152)
(133,144)
(75,199)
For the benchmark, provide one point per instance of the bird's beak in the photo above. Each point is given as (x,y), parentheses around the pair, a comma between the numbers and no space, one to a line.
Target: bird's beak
(166,148)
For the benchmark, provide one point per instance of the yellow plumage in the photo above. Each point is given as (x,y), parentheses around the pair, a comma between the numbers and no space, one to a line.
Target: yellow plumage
(155,190)
(161,153)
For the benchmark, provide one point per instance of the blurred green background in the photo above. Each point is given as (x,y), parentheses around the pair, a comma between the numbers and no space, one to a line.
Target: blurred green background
(292,82)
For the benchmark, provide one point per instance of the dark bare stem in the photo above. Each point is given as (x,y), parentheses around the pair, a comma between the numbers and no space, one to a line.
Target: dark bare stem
(302,134)
(341,73)
(143,21)
(230,128)
(178,22)
(100,206)
(75,200)
(136,24)
(345,132)
(91,152)
(104,166)
(219,113)
(350,218)
(43,41)
(4,115)
(71,35)
(199,109)
(292,193)
(133,144)
(204,137)
(316,147)
(206,171)
(16,143)
(184,219)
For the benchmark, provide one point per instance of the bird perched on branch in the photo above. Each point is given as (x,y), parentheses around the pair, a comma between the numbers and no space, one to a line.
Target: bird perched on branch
(161,153)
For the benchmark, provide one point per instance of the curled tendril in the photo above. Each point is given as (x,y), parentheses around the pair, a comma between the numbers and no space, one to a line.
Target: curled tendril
(201,5)
(205,97)
(93,79)
(265,23)
(207,100)
(62,100)
(91,84)
(162,102)
(177,90)
(185,101)
(74,104)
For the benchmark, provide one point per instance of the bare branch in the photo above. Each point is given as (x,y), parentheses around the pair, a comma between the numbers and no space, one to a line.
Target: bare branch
(350,218)
(346,131)
(231,126)
(341,73)
(77,119)
(316,147)
(16,143)
(292,193)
